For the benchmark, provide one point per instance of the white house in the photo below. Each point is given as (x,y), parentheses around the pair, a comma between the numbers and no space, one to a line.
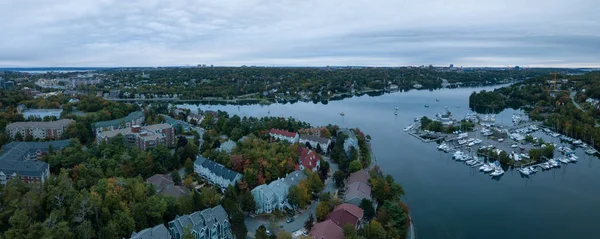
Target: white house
(41,113)
(291,137)
(274,195)
(216,173)
(315,141)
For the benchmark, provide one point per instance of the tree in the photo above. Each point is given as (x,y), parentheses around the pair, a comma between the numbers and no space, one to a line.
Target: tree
(176,177)
(187,233)
(374,230)
(349,231)
(316,185)
(339,177)
(261,233)
(28,137)
(247,202)
(189,166)
(18,136)
(284,235)
(210,197)
(309,222)
(368,209)
(322,211)
(355,166)
(323,169)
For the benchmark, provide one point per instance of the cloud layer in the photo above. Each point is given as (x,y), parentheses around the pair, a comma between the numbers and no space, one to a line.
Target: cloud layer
(299,33)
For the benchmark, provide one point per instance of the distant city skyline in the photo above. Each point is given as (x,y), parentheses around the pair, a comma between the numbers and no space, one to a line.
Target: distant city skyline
(110,33)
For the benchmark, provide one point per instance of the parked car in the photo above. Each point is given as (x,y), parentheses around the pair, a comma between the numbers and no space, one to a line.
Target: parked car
(289,219)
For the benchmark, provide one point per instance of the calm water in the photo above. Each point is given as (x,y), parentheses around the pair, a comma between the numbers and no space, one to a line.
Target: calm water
(449,199)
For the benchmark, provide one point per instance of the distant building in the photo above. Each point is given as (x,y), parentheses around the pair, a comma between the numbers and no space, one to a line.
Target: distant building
(21,159)
(216,173)
(211,223)
(135,118)
(283,135)
(39,130)
(196,117)
(142,137)
(41,113)
(30,151)
(157,232)
(227,146)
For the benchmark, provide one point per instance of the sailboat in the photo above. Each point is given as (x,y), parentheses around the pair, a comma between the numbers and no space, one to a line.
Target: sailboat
(396,108)
(426,106)
(342,113)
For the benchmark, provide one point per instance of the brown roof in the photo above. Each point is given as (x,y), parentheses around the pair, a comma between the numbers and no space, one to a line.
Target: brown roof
(309,158)
(346,214)
(312,131)
(358,190)
(283,132)
(358,176)
(160,181)
(326,230)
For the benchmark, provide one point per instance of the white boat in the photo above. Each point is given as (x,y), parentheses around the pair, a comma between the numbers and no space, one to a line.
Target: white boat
(525,171)
(491,167)
(525,156)
(532,169)
(471,144)
(497,172)
(591,151)
(465,158)
(577,142)
(477,141)
(553,163)
(396,108)
(457,155)
(462,141)
(564,160)
(483,167)
(514,146)
(442,146)
(407,128)
(396,113)
(573,158)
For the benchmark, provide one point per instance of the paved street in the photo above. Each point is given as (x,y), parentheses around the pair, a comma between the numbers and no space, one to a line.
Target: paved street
(253,223)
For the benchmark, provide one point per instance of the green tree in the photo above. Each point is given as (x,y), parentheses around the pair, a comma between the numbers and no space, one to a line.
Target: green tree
(176,177)
(284,235)
(316,185)
(322,211)
(189,167)
(210,197)
(247,202)
(187,233)
(374,230)
(261,233)
(355,166)
(349,232)
(368,209)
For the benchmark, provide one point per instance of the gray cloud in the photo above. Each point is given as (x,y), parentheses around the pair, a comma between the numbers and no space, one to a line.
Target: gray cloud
(289,32)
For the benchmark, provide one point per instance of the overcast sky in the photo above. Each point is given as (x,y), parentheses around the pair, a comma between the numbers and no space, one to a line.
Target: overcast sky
(299,32)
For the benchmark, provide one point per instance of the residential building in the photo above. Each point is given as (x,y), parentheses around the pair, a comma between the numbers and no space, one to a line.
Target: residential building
(196,117)
(157,232)
(29,171)
(356,192)
(211,223)
(142,137)
(347,214)
(273,196)
(216,173)
(358,176)
(175,123)
(30,151)
(227,146)
(326,230)
(163,183)
(134,118)
(315,141)
(283,135)
(316,131)
(309,159)
(39,130)
(41,113)
(350,142)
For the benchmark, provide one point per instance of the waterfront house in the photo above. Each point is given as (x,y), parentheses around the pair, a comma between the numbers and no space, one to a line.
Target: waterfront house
(356,192)
(350,142)
(347,214)
(157,232)
(283,135)
(216,173)
(358,176)
(309,159)
(134,118)
(272,196)
(163,183)
(210,223)
(39,130)
(315,141)
(326,230)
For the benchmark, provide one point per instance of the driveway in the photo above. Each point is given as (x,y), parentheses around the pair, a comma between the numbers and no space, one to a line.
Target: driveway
(252,224)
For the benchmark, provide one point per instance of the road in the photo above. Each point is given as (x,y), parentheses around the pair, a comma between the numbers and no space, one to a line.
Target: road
(253,223)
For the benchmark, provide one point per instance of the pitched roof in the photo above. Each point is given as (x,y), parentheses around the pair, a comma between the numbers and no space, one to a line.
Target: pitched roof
(283,132)
(132,116)
(218,169)
(200,219)
(358,176)
(175,191)
(358,190)
(23,168)
(157,232)
(160,181)
(326,230)
(39,124)
(294,178)
(309,158)
(312,131)
(227,146)
(16,151)
(313,138)
(346,214)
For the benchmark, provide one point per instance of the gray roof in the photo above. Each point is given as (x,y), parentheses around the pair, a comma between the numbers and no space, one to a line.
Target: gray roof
(201,219)
(358,190)
(200,160)
(157,232)
(294,177)
(40,124)
(132,116)
(175,191)
(227,146)
(23,168)
(313,138)
(16,151)
(160,181)
(218,169)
